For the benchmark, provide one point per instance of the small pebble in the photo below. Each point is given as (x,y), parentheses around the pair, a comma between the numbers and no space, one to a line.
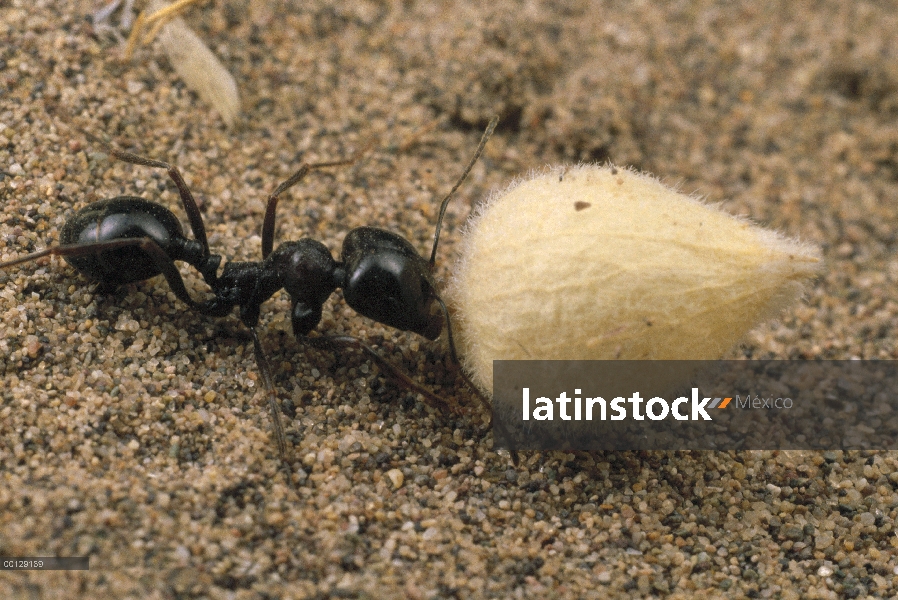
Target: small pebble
(396,477)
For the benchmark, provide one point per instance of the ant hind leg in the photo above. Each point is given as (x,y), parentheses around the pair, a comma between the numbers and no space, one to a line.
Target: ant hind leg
(157,255)
(187,199)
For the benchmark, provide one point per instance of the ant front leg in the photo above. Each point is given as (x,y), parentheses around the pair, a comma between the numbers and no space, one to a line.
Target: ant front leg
(398,374)
(483,401)
(497,424)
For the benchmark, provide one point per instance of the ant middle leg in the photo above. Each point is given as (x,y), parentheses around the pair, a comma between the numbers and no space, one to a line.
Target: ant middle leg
(389,368)
(271,208)
(271,393)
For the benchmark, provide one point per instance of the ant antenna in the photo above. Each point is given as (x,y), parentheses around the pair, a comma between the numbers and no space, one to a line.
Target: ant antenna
(436,236)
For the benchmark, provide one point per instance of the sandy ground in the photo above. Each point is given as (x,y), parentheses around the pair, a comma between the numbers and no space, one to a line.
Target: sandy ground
(132,430)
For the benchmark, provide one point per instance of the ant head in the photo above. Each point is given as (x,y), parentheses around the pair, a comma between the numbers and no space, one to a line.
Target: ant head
(387,280)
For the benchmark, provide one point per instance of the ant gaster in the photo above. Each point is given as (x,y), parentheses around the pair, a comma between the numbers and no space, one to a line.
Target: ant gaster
(127,239)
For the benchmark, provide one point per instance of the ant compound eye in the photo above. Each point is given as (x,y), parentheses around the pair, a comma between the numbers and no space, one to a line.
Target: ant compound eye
(388,281)
(601,263)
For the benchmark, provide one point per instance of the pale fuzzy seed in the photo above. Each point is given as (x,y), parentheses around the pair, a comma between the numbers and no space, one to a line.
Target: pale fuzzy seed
(597,262)
(199,67)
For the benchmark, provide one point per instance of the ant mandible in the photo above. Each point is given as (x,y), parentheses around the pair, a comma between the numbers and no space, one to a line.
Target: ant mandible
(127,239)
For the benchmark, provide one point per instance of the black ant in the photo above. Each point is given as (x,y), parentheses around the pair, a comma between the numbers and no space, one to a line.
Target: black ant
(127,239)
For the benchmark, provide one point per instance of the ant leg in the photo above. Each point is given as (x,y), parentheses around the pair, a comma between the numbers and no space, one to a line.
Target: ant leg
(436,236)
(160,259)
(158,20)
(431,398)
(134,35)
(497,424)
(29,257)
(190,207)
(272,396)
(483,401)
(271,208)
(385,365)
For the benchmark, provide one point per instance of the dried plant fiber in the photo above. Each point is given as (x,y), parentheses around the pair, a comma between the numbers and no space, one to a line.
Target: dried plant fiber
(200,69)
